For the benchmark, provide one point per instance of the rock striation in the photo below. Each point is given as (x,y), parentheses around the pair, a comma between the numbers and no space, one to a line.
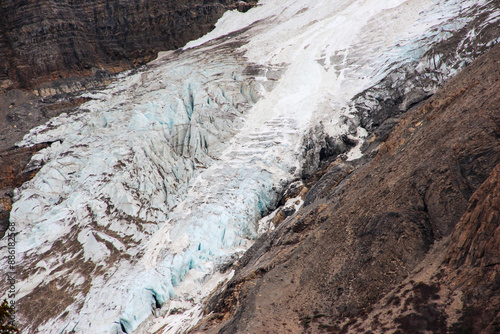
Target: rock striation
(405,243)
(42,41)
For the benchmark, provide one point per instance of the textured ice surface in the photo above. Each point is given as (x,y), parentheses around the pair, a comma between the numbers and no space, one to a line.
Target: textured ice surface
(161,179)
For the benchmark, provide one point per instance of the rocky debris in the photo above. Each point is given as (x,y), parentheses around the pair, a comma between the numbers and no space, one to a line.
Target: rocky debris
(427,201)
(335,174)
(242,6)
(321,149)
(42,41)
(324,155)
(379,136)
(20,111)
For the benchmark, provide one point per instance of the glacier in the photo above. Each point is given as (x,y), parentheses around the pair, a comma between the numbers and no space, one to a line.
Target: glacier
(157,184)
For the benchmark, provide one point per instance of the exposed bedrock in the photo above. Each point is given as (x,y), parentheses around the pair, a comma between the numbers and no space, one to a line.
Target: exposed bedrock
(45,40)
(418,222)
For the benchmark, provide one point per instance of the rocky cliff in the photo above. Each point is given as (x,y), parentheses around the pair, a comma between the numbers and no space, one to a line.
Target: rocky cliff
(41,41)
(406,241)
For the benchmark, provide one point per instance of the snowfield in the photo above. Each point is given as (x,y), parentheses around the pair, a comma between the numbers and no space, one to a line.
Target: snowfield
(160,181)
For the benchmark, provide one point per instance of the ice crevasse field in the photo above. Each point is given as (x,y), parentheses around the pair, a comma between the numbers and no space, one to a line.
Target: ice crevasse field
(163,178)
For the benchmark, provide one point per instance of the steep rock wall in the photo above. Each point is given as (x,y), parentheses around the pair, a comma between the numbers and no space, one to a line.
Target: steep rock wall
(44,40)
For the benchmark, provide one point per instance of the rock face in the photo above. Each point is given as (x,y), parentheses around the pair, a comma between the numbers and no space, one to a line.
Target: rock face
(46,40)
(406,243)
(455,289)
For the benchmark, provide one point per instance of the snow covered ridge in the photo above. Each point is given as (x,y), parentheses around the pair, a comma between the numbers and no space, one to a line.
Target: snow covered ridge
(161,179)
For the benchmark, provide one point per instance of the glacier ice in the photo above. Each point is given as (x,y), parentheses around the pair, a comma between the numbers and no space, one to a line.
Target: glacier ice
(161,179)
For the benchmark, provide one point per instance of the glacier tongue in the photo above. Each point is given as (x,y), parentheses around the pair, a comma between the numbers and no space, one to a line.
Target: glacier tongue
(161,179)
(116,170)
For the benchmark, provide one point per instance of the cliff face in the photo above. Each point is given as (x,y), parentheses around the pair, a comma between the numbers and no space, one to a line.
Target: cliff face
(45,40)
(403,242)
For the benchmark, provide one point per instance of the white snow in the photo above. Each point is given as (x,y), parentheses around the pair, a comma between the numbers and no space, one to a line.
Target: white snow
(163,177)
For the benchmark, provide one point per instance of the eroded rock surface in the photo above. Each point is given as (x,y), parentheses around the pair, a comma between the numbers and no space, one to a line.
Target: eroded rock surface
(41,41)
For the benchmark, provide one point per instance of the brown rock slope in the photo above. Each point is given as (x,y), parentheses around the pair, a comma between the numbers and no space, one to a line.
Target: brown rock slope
(44,40)
(408,242)
(456,288)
